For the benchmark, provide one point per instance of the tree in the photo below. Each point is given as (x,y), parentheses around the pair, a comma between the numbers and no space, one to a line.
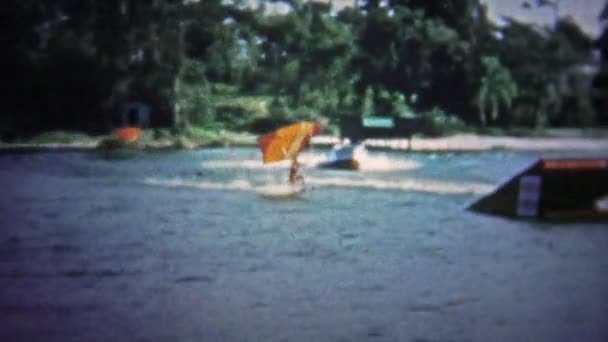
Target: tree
(311,60)
(428,48)
(544,62)
(307,54)
(600,80)
(497,89)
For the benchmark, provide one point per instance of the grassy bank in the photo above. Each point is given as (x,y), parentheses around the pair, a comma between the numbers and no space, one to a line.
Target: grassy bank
(150,139)
(196,137)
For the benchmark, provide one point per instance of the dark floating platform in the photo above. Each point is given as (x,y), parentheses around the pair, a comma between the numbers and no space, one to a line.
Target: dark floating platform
(552,189)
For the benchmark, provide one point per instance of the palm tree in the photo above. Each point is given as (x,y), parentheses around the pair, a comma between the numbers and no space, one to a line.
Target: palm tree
(497,88)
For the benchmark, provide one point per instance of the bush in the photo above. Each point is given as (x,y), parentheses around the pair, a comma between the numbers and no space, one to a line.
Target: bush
(264,125)
(195,104)
(210,137)
(440,123)
(224,89)
(239,112)
(321,100)
(111,144)
(62,137)
(393,103)
(306,113)
(280,111)
(162,133)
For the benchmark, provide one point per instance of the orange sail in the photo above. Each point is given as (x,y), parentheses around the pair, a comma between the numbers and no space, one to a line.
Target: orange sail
(128,134)
(287,142)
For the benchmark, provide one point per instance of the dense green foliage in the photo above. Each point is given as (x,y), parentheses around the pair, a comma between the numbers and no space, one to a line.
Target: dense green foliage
(73,64)
(600,81)
(497,88)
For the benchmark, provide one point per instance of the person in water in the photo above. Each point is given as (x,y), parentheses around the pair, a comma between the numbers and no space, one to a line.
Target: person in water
(294,175)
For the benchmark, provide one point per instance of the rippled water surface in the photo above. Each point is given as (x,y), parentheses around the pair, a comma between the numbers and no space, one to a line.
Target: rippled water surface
(183,246)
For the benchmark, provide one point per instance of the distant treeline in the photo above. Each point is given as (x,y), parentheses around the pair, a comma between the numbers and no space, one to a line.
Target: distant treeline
(74,64)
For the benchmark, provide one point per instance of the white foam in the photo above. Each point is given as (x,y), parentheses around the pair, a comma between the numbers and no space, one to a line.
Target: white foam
(279,190)
(419,185)
(367,163)
(234,185)
(384,163)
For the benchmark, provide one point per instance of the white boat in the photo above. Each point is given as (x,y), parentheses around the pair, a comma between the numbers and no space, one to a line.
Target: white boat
(345,156)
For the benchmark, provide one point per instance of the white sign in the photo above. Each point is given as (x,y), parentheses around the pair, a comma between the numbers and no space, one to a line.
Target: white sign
(528,199)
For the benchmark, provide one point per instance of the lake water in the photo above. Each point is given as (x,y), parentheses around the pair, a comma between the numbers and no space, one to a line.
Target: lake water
(181,246)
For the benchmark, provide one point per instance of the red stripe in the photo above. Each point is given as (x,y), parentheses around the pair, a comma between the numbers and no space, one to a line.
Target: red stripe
(575,164)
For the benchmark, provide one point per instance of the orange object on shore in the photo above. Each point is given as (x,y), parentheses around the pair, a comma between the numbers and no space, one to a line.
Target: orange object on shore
(128,134)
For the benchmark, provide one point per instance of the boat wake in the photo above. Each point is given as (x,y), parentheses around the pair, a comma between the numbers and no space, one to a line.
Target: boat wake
(367,163)
(418,185)
(413,184)
(384,163)
(269,178)
(235,185)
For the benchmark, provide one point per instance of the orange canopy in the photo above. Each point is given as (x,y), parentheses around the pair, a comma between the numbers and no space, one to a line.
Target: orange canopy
(287,142)
(128,134)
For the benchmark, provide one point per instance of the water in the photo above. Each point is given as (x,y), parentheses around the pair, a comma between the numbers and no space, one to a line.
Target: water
(181,246)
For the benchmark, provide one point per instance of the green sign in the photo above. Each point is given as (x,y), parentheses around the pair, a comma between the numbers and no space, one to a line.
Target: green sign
(378,122)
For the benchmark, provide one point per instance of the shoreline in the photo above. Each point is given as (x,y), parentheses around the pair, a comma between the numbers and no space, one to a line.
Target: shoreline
(479,143)
(453,143)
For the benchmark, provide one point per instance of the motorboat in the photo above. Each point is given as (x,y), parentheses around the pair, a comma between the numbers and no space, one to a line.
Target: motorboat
(346,156)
